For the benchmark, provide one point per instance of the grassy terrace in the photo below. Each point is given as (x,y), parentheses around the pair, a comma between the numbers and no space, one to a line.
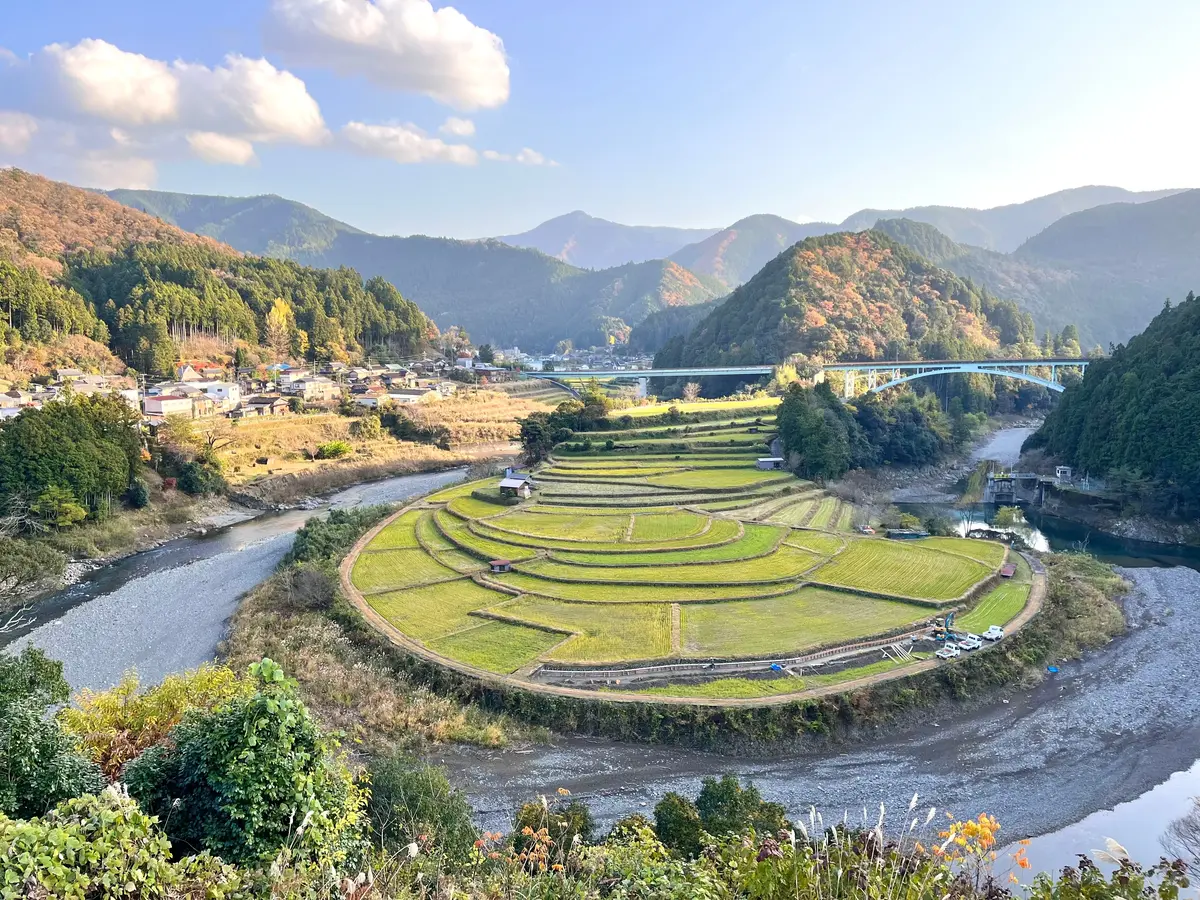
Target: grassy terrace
(633,556)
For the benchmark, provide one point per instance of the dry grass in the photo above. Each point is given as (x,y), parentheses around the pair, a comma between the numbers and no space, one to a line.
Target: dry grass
(348,685)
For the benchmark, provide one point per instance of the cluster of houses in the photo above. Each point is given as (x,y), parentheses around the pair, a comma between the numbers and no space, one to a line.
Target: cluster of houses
(14,400)
(201,390)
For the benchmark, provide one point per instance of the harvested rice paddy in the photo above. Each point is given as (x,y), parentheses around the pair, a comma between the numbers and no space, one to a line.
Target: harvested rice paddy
(636,555)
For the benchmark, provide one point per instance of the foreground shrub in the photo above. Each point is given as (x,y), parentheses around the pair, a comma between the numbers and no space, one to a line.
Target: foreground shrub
(334,450)
(328,538)
(39,767)
(103,846)
(726,807)
(559,826)
(412,802)
(118,725)
(677,823)
(252,777)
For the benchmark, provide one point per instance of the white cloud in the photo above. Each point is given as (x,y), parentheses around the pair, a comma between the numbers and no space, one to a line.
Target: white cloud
(96,78)
(250,98)
(107,172)
(108,116)
(458,127)
(404,45)
(221,148)
(526,157)
(16,131)
(405,144)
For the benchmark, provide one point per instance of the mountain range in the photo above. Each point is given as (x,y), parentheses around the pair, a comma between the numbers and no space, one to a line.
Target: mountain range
(1100,257)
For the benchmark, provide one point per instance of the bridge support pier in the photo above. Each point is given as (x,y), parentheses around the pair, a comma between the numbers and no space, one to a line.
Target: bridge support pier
(643,388)
(848,384)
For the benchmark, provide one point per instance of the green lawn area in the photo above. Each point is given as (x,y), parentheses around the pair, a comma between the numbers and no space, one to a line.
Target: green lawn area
(720,478)
(749,688)
(809,617)
(459,534)
(564,528)
(583,592)
(428,535)
(821,542)
(604,632)
(784,563)
(794,513)
(736,408)
(720,531)
(463,489)
(757,540)
(655,529)
(1001,604)
(990,553)
(389,569)
(400,534)
(473,508)
(496,646)
(460,561)
(824,514)
(902,568)
(428,613)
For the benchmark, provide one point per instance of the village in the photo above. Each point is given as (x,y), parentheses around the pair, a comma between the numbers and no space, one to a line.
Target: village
(204,390)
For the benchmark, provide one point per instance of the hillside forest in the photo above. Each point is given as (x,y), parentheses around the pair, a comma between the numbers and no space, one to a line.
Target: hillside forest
(1133,418)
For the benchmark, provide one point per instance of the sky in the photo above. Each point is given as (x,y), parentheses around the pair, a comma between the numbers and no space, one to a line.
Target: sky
(486,117)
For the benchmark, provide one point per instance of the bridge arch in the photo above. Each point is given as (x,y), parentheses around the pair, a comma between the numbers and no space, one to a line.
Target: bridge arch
(1019,376)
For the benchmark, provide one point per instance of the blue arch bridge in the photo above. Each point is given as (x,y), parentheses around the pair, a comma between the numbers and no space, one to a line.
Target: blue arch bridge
(854,378)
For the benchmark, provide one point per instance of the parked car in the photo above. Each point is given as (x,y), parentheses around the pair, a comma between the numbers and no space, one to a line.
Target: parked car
(970,642)
(950,651)
(994,633)
(865,529)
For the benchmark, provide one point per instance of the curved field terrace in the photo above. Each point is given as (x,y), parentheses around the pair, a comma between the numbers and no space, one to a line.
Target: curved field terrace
(682,575)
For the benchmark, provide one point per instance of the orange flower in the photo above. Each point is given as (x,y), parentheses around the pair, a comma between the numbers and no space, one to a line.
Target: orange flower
(1024,863)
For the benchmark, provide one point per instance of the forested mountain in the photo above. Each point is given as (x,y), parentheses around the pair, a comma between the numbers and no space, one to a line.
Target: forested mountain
(592,243)
(734,254)
(40,220)
(267,225)
(1004,228)
(82,264)
(497,292)
(851,296)
(649,335)
(148,292)
(1108,269)
(1136,415)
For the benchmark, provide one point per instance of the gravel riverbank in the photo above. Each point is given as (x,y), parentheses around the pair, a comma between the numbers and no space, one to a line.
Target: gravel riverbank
(1104,730)
(167,609)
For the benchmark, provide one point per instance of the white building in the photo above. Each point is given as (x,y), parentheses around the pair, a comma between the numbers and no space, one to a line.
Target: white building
(225,394)
(167,405)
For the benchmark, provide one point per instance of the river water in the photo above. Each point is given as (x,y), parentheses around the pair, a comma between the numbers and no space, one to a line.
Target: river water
(1107,747)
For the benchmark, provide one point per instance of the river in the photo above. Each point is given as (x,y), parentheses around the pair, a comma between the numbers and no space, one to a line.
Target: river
(1107,747)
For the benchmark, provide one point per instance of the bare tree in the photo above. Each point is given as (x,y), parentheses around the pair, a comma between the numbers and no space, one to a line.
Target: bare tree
(691,391)
(18,618)
(1182,837)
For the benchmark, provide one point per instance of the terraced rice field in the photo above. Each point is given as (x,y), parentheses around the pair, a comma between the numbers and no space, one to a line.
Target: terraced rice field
(902,568)
(637,556)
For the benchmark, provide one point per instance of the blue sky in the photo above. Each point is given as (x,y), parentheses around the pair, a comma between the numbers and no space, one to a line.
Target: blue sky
(663,112)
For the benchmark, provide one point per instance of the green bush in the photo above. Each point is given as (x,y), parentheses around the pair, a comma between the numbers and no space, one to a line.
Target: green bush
(410,799)
(677,824)
(103,846)
(197,478)
(57,507)
(252,777)
(726,807)
(328,538)
(39,766)
(368,428)
(27,566)
(333,450)
(138,495)
(567,824)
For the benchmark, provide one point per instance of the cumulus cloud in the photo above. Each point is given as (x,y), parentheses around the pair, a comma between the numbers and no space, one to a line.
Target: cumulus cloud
(108,172)
(405,144)
(96,78)
(16,131)
(458,127)
(526,157)
(221,148)
(117,113)
(403,45)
